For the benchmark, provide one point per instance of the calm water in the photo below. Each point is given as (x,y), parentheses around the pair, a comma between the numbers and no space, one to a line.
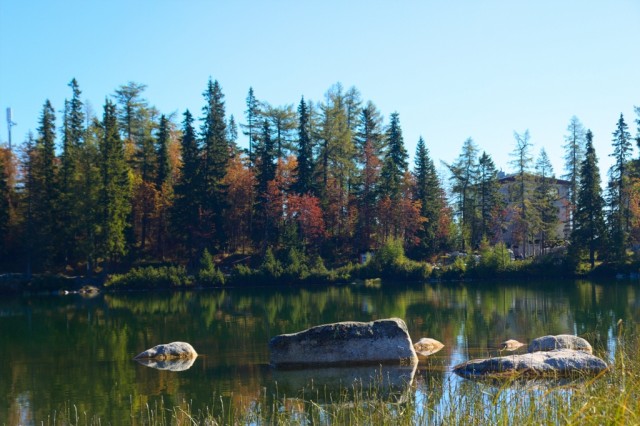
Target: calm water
(67,351)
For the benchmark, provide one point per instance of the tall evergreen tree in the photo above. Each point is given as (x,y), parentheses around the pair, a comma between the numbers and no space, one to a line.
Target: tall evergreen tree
(185,215)
(216,154)
(589,231)
(304,183)
(266,172)
(574,152)
(618,196)
(428,190)
(368,141)
(545,195)
(252,128)
(282,122)
(490,201)
(69,176)
(464,176)
(115,189)
(395,162)
(522,164)
(45,190)
(232,134)
(163,184)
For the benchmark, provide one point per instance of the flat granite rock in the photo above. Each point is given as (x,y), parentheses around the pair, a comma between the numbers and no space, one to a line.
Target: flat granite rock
(384,341)
(561,341)
(168,351)
(559,362)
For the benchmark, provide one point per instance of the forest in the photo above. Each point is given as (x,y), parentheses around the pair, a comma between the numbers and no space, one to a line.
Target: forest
(320,184)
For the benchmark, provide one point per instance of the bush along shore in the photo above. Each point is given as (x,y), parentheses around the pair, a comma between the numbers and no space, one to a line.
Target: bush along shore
(293,267)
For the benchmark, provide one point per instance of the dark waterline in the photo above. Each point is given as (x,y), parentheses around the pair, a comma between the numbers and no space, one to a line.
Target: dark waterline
(62,351)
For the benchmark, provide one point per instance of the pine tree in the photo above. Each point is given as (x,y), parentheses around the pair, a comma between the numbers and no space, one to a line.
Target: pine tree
(282,123)
(368,143)
(252,127)
(216,154)
(395,160)
(490,201)
(573,158)
(304,183)
(266,172)
(185,215)
(545,195)
(522,163)
(69,177)
(163,184)
(589,231)
(464,176)
(618,196)
(427,192)
(115,189)
(45,190)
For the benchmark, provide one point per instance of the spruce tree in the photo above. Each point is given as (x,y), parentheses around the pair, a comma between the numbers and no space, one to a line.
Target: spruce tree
(252,128)
(115,193)
(395,160)
(185,215)
(464,177)
(162,183)
(490,201)
(617,196)
(45,191)
(215,159)
(70,177)
(427,191)
(520,191)
(304,183)
(573,158)
(545,196)
(589,232)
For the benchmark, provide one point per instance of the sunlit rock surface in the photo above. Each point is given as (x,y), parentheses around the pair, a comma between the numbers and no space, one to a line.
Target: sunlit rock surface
(168,351)
(427,346)
(561,362)
(561,341)
(384,341)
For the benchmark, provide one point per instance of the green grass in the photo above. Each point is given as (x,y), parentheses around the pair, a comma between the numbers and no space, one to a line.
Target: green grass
(612,398)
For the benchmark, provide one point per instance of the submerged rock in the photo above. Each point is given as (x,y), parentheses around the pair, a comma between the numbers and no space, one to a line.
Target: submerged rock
(510,345)
(560,362)
(561,341)
(384,341)
(427,346)
(168,351)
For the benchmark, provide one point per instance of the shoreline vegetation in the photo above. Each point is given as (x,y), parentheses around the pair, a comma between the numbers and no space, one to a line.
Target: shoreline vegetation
(293,268)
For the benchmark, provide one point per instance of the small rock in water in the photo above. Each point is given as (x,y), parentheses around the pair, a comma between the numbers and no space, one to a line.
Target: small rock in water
(427,346)
(561,341)
(168,351)
(510,345)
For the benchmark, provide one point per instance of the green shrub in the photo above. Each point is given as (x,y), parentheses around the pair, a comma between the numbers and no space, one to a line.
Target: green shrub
(209,275)
(151,277)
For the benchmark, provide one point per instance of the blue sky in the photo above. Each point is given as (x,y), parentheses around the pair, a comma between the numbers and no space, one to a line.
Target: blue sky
(451,69)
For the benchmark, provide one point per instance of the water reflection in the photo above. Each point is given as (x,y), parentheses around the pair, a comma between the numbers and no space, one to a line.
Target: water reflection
(180,364)
(61,350)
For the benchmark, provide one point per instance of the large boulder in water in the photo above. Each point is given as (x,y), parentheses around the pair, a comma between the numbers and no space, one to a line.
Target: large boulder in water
(560,362)
(384,341)
(168,351)
(561,341)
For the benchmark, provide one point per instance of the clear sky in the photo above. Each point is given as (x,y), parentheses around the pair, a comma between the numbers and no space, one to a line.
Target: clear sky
(451,69)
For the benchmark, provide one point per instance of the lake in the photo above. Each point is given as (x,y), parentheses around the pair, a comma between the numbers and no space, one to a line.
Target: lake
(68,353)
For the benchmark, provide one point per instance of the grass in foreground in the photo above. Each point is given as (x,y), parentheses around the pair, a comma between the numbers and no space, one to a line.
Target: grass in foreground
(611,398)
